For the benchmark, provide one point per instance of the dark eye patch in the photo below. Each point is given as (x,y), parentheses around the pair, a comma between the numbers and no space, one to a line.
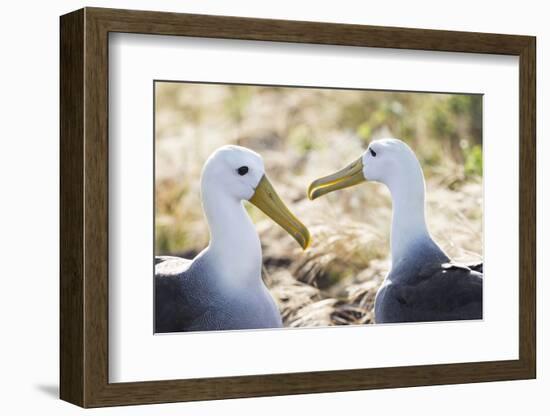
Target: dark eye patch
(243,170)
(372,152)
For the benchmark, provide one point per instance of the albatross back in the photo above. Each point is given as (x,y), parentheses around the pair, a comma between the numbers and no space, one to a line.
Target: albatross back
(189,297)
(433,292)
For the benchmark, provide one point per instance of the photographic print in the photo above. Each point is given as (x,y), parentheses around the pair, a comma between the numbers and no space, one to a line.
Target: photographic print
(289,207)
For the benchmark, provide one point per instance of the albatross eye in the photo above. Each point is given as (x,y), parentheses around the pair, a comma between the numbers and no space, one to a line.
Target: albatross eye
(372,152)
(243,170)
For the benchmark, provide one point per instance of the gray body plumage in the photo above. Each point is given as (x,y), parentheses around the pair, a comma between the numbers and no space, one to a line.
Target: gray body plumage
(189,296)
(426,286)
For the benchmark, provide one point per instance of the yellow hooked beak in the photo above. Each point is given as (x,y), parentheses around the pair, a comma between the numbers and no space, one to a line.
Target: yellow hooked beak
(269,202)
(349,176)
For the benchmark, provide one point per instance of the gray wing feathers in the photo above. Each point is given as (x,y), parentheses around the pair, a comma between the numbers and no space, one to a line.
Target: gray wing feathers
(188,298)
(171,310)
(437,293)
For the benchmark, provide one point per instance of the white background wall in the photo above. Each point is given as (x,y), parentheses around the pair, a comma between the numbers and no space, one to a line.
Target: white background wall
(29,156)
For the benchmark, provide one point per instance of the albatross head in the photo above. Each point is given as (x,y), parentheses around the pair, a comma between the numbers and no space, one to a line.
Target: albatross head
(238,173)
(388,161)
(393,163)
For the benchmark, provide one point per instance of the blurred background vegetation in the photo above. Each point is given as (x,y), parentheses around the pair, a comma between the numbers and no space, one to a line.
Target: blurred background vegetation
(304,133)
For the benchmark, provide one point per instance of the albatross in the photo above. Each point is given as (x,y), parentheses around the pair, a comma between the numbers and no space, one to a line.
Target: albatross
(424,284)
(222,288)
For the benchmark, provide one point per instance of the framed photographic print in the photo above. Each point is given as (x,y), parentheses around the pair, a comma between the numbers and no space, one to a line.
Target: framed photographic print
(256,207)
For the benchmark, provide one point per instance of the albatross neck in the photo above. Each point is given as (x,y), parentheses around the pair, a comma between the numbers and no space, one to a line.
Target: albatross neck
(410,237)
(234,243)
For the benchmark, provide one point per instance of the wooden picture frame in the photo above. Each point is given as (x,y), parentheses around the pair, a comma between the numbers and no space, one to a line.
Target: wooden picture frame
(84,207)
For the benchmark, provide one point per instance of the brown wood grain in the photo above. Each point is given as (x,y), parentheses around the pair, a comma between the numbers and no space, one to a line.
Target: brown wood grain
(84,206)
(527,208)
(71,217)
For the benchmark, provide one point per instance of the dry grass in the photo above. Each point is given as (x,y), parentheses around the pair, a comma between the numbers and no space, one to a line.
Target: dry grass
(303,134)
